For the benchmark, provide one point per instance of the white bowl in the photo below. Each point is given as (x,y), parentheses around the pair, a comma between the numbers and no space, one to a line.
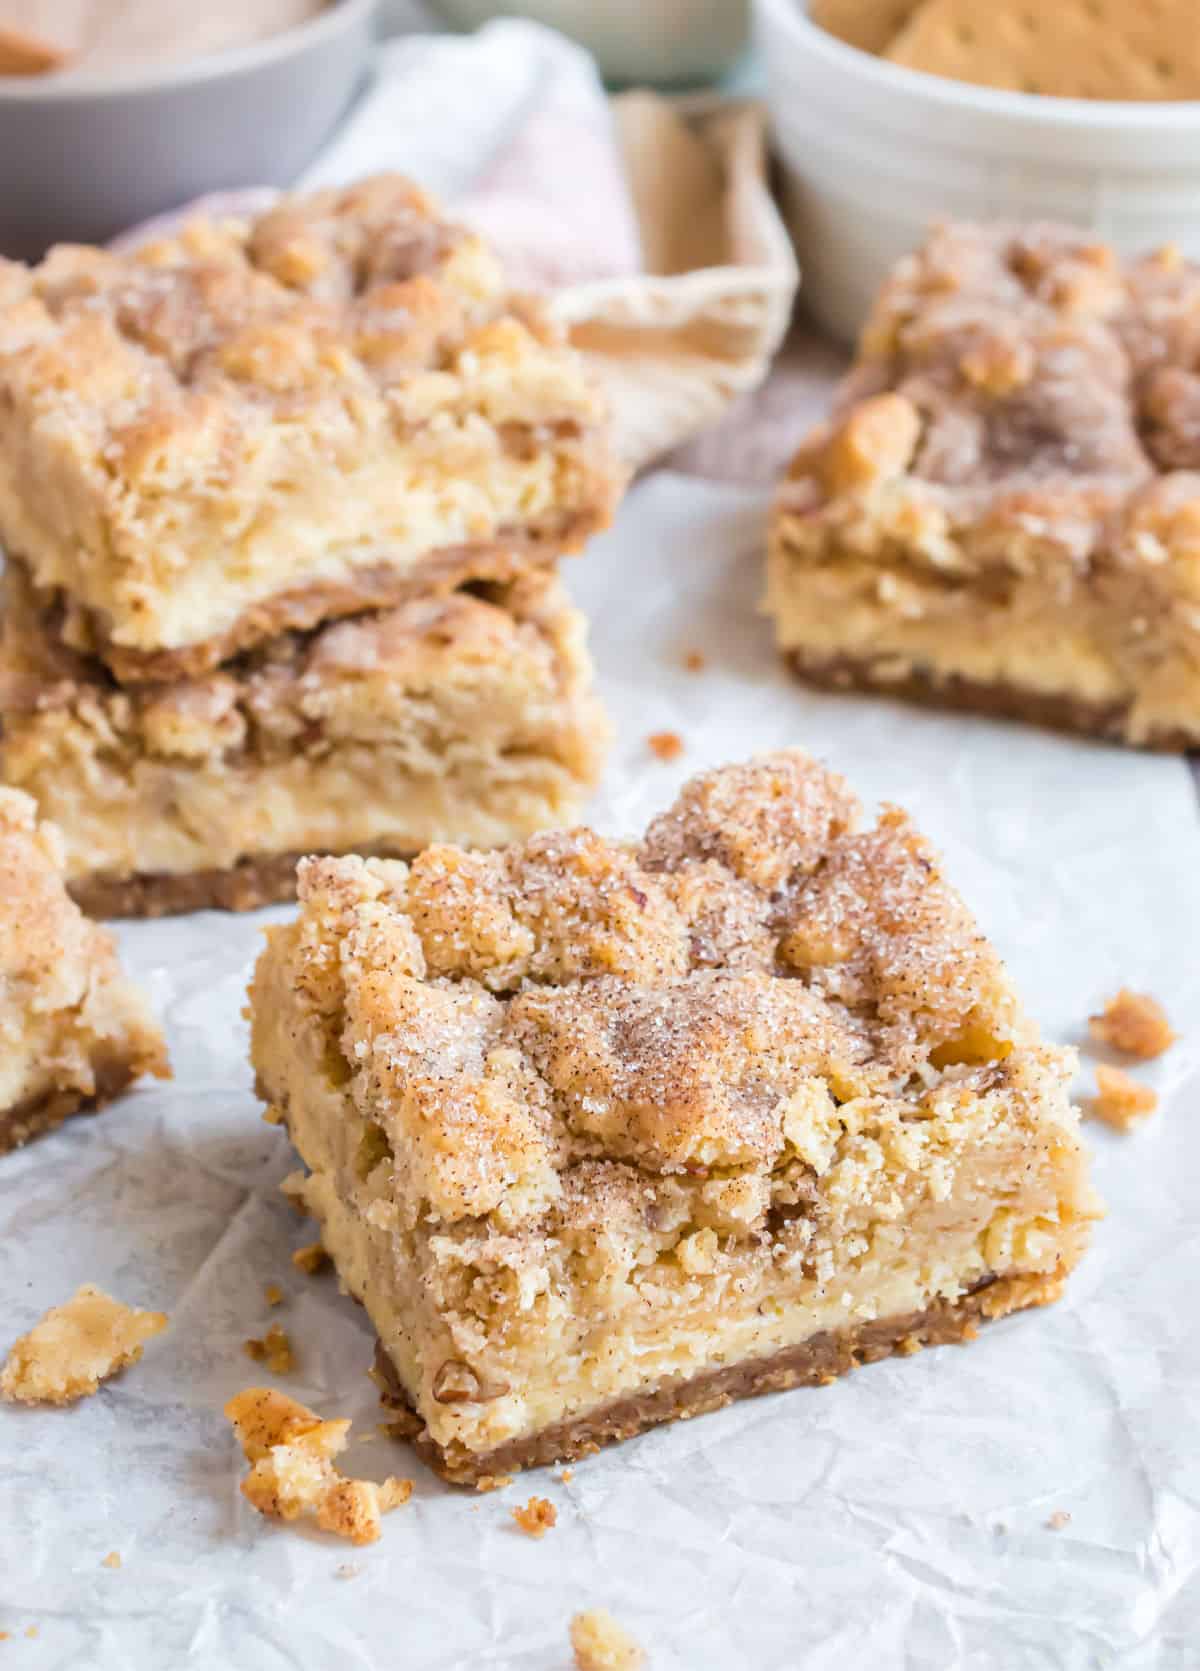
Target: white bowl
(873,153)
(632,40)
(83,156)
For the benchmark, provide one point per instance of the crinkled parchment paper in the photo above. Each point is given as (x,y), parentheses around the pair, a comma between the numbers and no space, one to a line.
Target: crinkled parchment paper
(896,1519)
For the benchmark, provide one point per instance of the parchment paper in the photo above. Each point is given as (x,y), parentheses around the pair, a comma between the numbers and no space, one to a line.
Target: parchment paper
(896,1519)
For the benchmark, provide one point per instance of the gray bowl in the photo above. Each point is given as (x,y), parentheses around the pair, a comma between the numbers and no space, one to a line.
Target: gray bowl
(83,157)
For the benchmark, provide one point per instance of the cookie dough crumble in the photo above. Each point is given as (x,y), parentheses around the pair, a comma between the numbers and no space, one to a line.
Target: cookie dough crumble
(1120,1100)
(601,1644)
(75,1347)
(536,1517)
(274,1350)
(1135,1024)
(293,1474)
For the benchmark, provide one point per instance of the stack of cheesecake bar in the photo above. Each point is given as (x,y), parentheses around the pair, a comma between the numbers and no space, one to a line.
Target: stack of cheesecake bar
(282,502)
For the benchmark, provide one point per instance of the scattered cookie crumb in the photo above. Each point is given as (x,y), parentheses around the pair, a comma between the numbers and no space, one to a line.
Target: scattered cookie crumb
(601,1644)
(567,1475)
(4,1636)
(75,1347)
(274,1349)
(665,745)
(292,1471)
(112,1559)
(1134,1023)
(695,661)
(310,1259)
(274,1293)
(1120,1100)
(31,1631)
(536,1517)
(347,1570)
(493,1482)
(1058,1520)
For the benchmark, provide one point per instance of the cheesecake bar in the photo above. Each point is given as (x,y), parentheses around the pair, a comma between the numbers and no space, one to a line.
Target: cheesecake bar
(1003,512)
(604,1134)
(260,424)
(459,717)
(74,1031)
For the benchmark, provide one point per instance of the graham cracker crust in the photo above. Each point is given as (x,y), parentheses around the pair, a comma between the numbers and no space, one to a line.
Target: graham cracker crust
(26,1120)
(814,1363)
(245,886)
(378,587)
(1104,721)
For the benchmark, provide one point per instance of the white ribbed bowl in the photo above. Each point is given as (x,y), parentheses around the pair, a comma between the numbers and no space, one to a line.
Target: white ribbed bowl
(872,153)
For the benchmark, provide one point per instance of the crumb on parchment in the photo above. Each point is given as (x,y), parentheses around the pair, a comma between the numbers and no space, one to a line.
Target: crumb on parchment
(274,1350)
(665,745)
(273,1293)
(75,1346)
(1121,1101)
(536,1517)
(493,1482)
(1134,1023)
(601,1644)
(1058,1520)
(112,1559)
(310,1259)
(292,1473)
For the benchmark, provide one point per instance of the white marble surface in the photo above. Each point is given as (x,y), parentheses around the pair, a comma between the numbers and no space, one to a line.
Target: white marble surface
(897,1519)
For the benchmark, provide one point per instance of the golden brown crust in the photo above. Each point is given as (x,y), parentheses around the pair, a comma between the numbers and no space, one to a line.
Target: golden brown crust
(245,887)
(929,688)
(43,1114)
(815,1363)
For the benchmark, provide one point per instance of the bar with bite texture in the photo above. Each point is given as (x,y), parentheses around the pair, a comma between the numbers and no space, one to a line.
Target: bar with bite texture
(603,1134)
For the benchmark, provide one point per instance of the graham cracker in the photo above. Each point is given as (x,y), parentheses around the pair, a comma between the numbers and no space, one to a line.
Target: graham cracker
(1084,49)
(870,25)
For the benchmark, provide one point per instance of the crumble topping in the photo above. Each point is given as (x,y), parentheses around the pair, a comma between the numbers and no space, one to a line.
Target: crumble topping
(601,1644)
(1021,397)
(516,1012)
(1134,1023)
(536,1517)
(293,1474)
(75,1346)
(274,1349)
(1122,1102)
